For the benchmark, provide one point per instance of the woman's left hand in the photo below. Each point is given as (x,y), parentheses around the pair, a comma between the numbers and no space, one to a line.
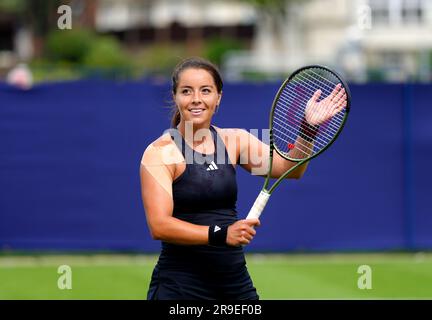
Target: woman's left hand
(318,112)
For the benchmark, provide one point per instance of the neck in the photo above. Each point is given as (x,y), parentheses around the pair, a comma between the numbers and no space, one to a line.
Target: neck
(195,134)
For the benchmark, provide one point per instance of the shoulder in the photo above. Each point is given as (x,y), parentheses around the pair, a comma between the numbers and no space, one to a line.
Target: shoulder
(162,151)
(156,146)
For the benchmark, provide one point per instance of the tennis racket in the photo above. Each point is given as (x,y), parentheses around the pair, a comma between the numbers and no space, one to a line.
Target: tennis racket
(308,113)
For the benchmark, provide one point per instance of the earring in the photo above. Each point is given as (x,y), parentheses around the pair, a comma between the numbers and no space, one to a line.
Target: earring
(217,108)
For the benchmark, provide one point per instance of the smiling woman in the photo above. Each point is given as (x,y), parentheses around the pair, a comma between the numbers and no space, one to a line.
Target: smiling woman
(197,91)
(190,205)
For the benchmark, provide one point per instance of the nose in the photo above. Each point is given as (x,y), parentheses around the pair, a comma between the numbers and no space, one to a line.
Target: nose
(196,98)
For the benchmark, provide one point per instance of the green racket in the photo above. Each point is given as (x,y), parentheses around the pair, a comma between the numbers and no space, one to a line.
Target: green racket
(308,113)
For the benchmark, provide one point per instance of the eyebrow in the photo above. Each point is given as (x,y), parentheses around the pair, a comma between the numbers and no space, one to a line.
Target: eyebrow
(207,85)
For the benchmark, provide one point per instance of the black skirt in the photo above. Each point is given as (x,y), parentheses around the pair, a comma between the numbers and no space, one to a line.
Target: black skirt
(200,284)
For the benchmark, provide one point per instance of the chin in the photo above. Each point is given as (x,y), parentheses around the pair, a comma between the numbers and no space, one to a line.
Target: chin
(199,121)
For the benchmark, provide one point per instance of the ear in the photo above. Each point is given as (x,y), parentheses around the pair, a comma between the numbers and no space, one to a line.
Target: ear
(220,98)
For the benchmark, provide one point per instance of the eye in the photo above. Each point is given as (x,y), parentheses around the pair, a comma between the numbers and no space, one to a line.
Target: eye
(185,91)
(206,90)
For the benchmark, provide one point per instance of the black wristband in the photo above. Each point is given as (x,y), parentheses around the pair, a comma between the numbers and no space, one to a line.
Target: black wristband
(217,235)
(307,131)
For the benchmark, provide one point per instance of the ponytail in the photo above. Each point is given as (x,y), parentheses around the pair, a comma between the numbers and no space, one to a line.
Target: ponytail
(175,119)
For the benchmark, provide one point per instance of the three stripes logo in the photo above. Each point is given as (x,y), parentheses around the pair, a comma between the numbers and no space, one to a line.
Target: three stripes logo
(212,166)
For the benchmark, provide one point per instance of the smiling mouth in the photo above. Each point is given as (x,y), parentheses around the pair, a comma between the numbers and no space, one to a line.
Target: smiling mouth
(196,111)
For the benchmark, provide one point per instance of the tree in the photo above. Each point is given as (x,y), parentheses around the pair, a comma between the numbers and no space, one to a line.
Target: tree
(278,30)
(39,15)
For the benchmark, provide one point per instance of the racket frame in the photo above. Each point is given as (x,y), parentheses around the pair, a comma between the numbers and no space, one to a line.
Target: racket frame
(272,145)
(265,193)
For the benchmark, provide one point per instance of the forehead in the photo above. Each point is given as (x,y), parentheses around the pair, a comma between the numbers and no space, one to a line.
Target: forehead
(192,76)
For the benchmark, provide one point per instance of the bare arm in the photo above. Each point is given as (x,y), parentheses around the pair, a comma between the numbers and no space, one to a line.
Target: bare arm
(156,190)
(254,157)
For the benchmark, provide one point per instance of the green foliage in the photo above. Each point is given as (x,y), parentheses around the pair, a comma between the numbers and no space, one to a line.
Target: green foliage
(69,45)
(13,6)
(430,60)
(256,76)
(47,73)
(106,59)
(78,53)
(36,14)
(216,48)
(160,59)
(376,75)
(105,52)
(279,6)
(267,3)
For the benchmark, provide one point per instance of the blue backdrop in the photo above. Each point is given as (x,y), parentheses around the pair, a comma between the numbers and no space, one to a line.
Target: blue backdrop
(70,155)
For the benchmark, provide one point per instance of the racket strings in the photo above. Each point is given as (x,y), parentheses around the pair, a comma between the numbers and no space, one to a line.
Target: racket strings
(298,116)
(296,120)
(303,80)
(324,94)
(289,136)
(321,139)
(291,131)
(306,86)
(290,107)
(311,83)
(294,133)
(285,137)
(328,86)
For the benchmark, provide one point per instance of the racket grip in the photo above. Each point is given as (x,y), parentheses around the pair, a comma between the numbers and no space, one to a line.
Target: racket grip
(259,205)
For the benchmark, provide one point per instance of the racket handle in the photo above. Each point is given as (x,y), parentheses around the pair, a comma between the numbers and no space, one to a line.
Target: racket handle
(259,205)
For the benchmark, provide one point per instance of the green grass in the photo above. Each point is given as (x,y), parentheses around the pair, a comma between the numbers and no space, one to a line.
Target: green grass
(323,276)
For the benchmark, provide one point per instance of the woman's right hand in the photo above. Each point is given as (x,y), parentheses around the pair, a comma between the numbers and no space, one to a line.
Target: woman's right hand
(241,232)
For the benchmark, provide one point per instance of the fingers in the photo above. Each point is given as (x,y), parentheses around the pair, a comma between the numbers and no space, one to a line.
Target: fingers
(247,231)
(340,104)
(339,101)
(253,222)
(335,91)
(316,95)
(328,107)
(244,241)
(247,227)
(250,230)
(246,235)
(242,232)
(339,96)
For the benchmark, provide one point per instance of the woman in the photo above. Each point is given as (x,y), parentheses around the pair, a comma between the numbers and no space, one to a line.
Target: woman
(190,194)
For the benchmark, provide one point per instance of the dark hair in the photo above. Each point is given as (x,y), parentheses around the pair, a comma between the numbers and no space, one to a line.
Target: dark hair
(193,63)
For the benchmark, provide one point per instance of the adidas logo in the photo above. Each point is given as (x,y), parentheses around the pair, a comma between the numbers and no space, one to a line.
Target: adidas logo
(212,166)
(216,229)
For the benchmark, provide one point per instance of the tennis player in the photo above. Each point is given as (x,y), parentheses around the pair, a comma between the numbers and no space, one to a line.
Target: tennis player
(189,192)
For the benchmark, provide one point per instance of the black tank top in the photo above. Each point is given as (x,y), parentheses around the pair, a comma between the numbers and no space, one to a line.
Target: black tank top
(205,194)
